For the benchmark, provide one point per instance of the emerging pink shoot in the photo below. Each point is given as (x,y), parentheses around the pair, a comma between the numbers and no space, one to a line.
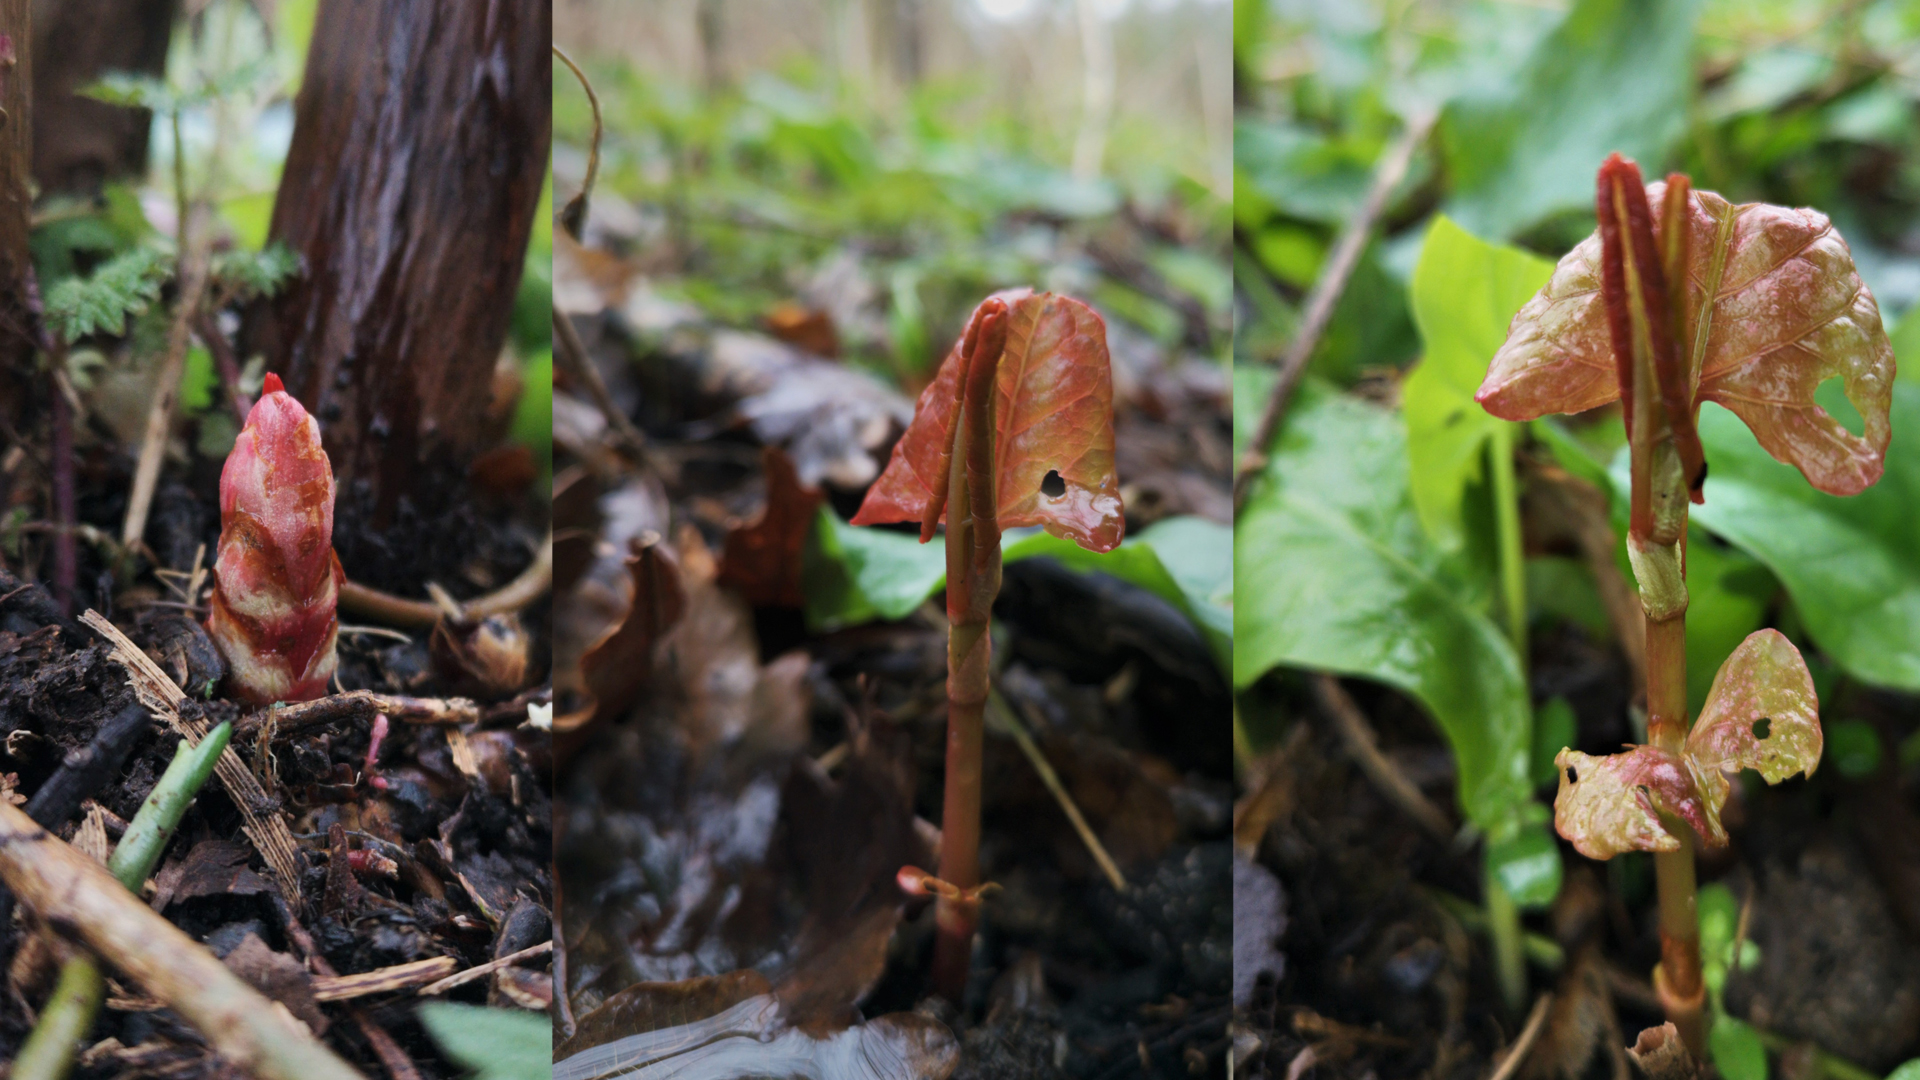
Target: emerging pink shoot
(276,577)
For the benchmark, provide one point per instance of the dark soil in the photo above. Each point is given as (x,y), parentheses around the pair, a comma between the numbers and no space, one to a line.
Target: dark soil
(469,875)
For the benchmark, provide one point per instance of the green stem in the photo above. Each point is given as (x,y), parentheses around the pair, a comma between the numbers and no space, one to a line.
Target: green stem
(1509,952)
(48,1052)
(147,835)
(1513,564)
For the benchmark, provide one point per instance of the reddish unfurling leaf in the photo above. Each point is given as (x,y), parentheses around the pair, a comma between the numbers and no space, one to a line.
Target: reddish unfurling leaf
(276,577)
(1053,413)
(1774,308)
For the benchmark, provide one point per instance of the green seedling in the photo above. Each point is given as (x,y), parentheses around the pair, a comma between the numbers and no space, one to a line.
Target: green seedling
(1016,429)
(1752,307)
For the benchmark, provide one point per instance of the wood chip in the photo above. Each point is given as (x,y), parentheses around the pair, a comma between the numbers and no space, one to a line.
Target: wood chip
(383,980)
(488,968)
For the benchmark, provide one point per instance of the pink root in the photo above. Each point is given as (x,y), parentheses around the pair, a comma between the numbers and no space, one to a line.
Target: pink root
(373,752)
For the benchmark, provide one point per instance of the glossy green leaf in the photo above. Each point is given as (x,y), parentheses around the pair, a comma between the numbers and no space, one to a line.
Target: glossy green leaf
(1854,746)
(1736,1049)
(1615,75)
(1852,565)
(854,574)
(1554,726)
(1465,292)
(1527,863)
(1334,573)
(497,1044)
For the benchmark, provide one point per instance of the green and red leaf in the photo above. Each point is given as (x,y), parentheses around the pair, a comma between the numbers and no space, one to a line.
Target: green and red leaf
(1777,308)
(1613,804)
(1053,413)
(1761,714)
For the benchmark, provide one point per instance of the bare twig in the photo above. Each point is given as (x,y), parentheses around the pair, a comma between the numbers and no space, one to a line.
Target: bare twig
(573,217)
(392,1057)
(532,583)
(1005,714)
(79,898)
(382,980)
(480,971)
(572,354)
(1326,294)
(1536,1022)
(358,707)
(166,393)
(1357,735)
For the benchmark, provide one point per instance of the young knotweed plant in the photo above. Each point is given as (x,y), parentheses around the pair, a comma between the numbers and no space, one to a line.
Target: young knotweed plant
(1752,307)
(276,578)
(1024,398)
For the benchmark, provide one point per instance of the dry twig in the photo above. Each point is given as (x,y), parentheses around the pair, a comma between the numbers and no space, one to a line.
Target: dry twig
(1357,735)
(1536,1022)
(480,971)
(1326,294)
(78,898)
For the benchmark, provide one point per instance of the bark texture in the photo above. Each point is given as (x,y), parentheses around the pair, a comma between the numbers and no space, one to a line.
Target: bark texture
(420,144)
(79,143)
(16,209)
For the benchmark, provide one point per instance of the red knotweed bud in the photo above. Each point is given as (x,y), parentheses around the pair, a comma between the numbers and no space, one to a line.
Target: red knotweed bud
(276,576)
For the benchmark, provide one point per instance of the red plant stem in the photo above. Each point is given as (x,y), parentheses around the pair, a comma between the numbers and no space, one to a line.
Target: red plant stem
(973,580)
(1655,392)
(65,572)
(60,414)
(207,325)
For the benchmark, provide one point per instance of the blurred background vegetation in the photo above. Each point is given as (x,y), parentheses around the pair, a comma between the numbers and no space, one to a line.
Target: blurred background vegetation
(889,162)
(1796,102)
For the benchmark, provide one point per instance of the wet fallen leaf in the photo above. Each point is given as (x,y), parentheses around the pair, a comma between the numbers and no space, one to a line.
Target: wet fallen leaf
(762,560)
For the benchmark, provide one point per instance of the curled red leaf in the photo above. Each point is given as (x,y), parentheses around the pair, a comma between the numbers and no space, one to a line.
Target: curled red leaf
(1608,805)
(1761,714)
(1053,413)
(276,577)
(1776,307)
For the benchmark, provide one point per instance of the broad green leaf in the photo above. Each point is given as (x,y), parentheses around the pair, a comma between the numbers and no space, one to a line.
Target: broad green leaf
(497,1044)
(1527,863)
(1737,1050)
(854,574)
(1727,595)
(1554,726)
(1852,565)
(1908,1070)
(1615,75)
(1465,292)
(1788,313)
(1333,572)
(1854,746)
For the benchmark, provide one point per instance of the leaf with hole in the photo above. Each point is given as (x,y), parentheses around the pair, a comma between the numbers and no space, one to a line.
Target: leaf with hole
(1053,414)
(1775,309)
(1761,714)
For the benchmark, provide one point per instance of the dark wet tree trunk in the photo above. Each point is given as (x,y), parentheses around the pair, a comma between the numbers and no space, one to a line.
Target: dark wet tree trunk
(16,208)
(79,143)
(420,143)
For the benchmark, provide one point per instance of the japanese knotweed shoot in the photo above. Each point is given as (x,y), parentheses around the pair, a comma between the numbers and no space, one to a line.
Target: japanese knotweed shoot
(276,577)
